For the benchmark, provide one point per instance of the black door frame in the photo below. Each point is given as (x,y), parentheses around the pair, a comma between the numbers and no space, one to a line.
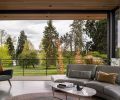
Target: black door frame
(110,22)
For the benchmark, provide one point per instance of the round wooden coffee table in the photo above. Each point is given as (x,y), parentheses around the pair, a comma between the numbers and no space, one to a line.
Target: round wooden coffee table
(85,92)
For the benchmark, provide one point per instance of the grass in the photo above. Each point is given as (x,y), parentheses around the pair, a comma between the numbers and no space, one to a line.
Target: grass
(30,71)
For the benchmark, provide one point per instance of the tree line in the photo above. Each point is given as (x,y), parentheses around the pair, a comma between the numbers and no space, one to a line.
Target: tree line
(84,36)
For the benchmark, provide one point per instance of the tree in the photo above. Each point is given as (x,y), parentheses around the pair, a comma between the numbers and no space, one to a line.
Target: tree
(77,31)
(21,41)
(11,49)
(49,38)
(4,54)
(28,46)
(60,57)
(3,36)
(97,30)
(28,55)
(67,40)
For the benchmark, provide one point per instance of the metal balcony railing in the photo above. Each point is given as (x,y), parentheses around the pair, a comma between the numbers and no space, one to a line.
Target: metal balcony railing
(37,67)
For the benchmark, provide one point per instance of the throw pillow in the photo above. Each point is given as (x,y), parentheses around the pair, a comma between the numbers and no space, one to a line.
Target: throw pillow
(106,77)
(80,74)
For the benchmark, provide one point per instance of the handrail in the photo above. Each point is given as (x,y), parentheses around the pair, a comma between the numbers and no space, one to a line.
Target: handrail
(42,62)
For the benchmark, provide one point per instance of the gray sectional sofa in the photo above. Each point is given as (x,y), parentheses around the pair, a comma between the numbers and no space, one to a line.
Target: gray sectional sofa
(105,90)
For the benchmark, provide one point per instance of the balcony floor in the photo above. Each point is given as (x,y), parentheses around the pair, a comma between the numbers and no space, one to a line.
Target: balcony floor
(31,78)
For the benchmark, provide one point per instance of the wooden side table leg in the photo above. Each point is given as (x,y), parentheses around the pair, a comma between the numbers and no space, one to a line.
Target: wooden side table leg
(53,91)
(91,98)
(66,96)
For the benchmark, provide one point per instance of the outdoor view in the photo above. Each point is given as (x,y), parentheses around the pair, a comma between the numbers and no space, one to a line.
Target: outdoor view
(117,22)
(45,47)
(118,39)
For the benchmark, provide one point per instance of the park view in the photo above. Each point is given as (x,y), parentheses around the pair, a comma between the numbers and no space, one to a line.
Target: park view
(45,47)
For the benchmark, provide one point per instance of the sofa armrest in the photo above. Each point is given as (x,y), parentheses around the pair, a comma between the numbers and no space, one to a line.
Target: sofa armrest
(7,72)
(55,78)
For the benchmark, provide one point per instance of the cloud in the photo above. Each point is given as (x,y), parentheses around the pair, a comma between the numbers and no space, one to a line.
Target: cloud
(62,26)
(33,28)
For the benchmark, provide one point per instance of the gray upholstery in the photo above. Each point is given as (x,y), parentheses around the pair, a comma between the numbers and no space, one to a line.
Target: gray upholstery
(99,86)
(105,97)
(4,77)
(81,68)
(58,78)
(78,81)
(105,90)
(80,74)
(63,78)
(112,91)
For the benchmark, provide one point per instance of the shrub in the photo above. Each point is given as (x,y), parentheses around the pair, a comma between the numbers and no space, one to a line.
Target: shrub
(28,58)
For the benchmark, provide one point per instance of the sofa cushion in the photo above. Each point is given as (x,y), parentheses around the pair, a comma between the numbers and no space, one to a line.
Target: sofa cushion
(55,78)
(98,86)
(4,77)
(73,74)
(64,78)
(106,77)
(112,91)
(78,81)
(110,69)
(81,67)
(80,74)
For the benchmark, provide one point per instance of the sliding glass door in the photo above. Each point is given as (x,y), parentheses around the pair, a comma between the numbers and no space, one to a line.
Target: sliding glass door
(117,21)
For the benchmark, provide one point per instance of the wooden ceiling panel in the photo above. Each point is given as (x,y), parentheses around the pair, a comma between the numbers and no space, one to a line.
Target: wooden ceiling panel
(52,16)
(58,4)
(54,7)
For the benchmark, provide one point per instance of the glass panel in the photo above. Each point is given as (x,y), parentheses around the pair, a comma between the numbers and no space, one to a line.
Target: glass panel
(118,33)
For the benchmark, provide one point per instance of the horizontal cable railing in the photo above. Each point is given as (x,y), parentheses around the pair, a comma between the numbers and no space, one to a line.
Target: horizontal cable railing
(37,67)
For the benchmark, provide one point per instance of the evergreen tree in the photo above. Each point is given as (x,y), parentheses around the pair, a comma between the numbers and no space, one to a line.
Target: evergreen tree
(28,46)
(77,31)
(67,41)
(97,30)
(3,36)
(11,49)
(21,41)
(49,42)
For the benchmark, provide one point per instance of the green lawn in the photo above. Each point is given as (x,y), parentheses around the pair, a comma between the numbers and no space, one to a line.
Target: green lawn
(30,71)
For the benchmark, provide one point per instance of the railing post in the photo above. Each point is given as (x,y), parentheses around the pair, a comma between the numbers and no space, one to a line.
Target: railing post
(69,60)
(56,65)
(23,67)
(0,62)
(46,66)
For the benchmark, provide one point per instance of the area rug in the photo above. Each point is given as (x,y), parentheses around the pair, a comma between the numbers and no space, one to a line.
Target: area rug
(48,96)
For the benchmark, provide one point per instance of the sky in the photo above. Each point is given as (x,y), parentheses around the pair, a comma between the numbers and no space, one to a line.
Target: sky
(33,28)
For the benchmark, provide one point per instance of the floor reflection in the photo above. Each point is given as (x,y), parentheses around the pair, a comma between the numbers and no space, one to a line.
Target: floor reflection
(5,93)
(22,87)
